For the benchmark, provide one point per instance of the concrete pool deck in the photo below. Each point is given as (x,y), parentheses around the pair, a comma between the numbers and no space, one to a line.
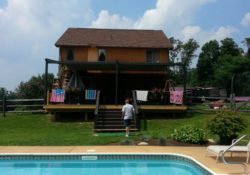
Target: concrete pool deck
(197,153)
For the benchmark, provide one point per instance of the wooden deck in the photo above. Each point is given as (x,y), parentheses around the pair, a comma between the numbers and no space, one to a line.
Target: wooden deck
(91,108)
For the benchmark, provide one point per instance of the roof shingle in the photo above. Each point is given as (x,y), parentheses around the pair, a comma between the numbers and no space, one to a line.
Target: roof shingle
(114,38)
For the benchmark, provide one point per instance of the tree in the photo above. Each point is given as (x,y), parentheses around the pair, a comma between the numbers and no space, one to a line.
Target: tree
(188,52)
(207,61)
(34,88)
(227,66)
(183,52)
(3,92)
(175,52)
(247,43)
(229,47)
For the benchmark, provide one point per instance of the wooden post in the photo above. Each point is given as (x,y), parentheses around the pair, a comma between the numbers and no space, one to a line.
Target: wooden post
(145,124)
(185,82)
(116,82)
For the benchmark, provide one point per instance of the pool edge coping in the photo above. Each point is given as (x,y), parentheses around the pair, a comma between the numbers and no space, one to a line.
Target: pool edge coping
(114,153)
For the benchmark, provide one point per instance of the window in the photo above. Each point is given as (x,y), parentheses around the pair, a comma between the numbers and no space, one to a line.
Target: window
(70,54)
(153,56)
(101,55)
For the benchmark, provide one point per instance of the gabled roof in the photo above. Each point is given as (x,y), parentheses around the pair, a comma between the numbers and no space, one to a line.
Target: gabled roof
(114,38)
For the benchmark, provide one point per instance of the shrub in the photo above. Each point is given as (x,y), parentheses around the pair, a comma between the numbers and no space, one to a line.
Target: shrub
(189,134)
(162,141)
(145,138)
(126,142)
(227,125)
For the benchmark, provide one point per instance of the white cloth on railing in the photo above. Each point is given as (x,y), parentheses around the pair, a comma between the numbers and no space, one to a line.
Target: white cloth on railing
(142,95)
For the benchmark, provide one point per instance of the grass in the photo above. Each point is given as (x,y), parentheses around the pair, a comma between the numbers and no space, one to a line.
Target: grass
(38,129)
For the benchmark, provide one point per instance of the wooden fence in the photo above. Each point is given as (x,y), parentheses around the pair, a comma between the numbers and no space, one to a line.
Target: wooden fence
(21,106)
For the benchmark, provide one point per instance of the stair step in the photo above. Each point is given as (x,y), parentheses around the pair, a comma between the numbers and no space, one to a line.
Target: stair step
(113,130)
(115,125)
(111,120)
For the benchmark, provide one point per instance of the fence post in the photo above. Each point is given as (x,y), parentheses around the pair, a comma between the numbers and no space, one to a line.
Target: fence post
(4,105)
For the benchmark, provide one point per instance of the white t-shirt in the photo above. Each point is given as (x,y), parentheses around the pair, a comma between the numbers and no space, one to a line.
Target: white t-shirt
(128,111)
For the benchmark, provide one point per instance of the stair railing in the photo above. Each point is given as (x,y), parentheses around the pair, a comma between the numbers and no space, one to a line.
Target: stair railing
(97,103)
(244,164)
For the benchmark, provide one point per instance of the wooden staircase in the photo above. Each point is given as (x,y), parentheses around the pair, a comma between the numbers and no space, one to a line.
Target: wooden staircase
(111,121)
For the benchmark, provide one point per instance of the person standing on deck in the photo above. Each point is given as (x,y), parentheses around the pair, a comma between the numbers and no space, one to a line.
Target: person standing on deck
(128,113)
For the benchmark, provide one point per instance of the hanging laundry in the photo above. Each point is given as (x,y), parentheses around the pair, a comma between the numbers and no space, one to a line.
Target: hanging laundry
(142,95)
(57,95)
(176,97)
(90,94)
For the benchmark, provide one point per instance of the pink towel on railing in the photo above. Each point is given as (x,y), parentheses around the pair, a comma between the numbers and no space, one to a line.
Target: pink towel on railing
(57,95)
(176,97)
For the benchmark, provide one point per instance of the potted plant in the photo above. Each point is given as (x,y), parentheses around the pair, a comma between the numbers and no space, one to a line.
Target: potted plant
(227,125)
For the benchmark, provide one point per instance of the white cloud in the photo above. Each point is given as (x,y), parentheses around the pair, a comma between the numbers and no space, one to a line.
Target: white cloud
(203,36)
(170,14)
(190,31)
(246,20)
(105,20)
(167,14)
(28,31)
(223,32)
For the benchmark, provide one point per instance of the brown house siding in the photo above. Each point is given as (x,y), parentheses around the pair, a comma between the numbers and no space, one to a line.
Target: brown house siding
(80,53)
(112,54)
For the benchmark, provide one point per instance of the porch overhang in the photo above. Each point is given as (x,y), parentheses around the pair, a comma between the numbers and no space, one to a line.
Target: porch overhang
(121,66)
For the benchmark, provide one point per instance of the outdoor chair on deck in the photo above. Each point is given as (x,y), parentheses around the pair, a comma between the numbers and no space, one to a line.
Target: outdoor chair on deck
(218,150)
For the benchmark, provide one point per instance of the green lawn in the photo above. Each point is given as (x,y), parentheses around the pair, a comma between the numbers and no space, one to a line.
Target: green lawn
(38,129)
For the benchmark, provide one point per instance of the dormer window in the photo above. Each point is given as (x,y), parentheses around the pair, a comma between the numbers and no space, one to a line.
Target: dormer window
(70,54)
(101,54)
(153,56)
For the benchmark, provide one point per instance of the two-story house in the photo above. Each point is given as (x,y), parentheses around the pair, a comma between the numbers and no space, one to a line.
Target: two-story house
(113,61)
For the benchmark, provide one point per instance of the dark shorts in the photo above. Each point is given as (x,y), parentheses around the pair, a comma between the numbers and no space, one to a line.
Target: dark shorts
(127,122)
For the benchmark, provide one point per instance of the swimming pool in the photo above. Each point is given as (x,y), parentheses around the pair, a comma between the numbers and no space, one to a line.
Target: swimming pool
(100,164)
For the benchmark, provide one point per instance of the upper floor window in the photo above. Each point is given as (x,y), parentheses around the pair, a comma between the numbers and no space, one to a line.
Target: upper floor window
(101,54)
(153,56)
(70,54)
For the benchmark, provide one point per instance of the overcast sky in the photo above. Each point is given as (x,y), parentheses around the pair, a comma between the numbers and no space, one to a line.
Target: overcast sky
(30,28)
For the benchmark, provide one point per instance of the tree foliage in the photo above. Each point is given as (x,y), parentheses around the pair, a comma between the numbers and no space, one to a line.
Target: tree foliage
(206,65)
(218,63)
(229,47)
(34,87)
(8,94)
(247,43)
(188,51)
(182,52)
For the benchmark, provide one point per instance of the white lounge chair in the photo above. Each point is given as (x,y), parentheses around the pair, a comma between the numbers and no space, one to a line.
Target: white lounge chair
(218,150)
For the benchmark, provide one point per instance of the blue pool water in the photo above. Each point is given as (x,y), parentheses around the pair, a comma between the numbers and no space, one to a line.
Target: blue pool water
(113,166)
